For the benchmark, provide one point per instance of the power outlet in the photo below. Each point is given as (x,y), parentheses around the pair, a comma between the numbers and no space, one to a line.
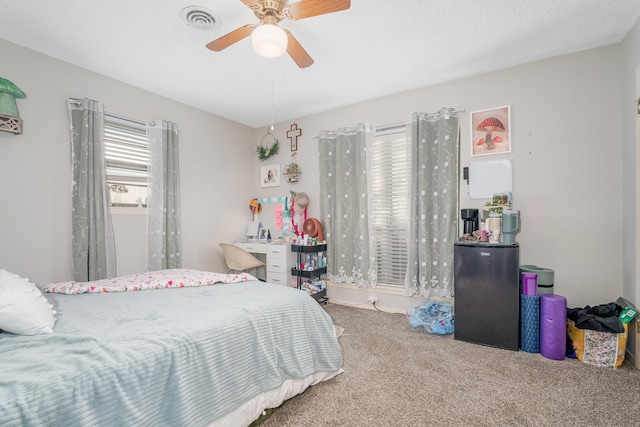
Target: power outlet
(373,299)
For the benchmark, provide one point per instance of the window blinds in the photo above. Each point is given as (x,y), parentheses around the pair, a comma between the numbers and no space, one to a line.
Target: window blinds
(390,202)
(126,150)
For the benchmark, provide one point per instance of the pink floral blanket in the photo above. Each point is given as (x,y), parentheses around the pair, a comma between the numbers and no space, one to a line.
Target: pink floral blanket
(174,278)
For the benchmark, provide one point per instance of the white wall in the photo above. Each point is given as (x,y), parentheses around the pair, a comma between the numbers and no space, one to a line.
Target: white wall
(567,157)
(631,160)
(631,178)
(35,171)
(567,160)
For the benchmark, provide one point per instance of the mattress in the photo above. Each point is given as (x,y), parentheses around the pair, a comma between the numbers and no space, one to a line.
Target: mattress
(209,355)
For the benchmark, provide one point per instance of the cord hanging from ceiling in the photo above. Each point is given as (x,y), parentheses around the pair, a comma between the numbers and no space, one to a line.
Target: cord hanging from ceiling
(264,152)
(272,107)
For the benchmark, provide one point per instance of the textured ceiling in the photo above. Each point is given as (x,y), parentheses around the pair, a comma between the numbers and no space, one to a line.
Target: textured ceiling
(375,48)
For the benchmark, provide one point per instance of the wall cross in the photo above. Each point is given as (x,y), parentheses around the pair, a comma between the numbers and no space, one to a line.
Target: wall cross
(293,135)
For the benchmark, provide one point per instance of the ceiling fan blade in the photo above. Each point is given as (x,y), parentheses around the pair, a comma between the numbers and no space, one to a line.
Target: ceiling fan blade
(231,38)
(308,8)
(250,3)
(297,52)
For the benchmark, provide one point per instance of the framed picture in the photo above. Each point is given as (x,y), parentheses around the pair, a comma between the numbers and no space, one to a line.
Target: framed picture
(263,234)
(491,131)
(270,176)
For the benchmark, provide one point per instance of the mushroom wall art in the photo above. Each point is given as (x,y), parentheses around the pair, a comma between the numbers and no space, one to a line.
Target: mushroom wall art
(491,131)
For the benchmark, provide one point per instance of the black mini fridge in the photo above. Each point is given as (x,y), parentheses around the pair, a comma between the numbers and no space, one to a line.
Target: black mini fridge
(487,294)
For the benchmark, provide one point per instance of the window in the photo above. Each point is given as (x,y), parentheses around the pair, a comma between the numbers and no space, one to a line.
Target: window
(126,152)
(390,202)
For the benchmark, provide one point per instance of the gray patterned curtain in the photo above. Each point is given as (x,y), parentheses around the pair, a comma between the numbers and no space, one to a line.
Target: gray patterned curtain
(93,244)
(434,207)
(164,241)
(344,201)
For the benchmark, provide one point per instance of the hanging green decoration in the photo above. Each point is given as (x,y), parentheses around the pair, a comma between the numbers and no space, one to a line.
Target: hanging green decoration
(8,94)
(10,120)
(265,152)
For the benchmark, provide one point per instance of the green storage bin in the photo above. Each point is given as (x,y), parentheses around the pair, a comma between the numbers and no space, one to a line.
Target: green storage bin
(545,277)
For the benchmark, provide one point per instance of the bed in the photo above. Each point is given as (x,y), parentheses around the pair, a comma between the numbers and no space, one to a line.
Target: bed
(174,348)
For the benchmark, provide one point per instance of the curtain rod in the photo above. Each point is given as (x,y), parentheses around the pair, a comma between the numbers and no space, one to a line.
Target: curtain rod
(393,126)
(125,118)
(451,111)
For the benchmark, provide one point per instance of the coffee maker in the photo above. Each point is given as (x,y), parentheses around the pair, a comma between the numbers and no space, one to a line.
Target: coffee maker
(471,221)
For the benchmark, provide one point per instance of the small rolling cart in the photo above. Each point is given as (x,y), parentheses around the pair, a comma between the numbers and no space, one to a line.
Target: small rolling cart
(310,264)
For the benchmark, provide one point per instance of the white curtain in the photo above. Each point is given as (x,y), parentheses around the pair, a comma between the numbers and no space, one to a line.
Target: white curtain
(93,243)
(434,205)
(344,205)
(164,241)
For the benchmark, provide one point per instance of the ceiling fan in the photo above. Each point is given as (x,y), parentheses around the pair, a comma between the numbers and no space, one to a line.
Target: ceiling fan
(272,41)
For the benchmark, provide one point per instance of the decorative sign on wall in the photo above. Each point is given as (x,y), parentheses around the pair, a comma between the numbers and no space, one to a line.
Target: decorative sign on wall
(293,135)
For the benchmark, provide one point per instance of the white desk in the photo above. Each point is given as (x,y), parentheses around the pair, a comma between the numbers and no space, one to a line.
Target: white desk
(278,258)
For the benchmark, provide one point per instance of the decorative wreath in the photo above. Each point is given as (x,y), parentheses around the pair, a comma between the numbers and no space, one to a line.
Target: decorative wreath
(265,152)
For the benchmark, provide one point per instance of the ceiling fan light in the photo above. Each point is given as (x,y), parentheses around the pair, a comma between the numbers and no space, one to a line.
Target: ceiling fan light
(269,40)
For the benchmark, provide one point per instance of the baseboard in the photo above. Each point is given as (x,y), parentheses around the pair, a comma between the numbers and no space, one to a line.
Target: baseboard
(368,306)
(631,358)
(390,301)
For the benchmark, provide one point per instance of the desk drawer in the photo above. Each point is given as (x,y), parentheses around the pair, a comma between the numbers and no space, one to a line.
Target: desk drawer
(277,251)
(277,265)
(278,278)
(254,248)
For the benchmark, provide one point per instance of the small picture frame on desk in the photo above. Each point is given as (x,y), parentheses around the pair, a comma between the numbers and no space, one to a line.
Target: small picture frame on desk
(263,235)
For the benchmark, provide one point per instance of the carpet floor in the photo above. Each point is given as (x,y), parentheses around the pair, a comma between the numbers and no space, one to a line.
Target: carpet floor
(396,375)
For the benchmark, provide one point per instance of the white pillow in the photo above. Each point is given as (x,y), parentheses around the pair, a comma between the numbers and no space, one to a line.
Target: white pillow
(23,308)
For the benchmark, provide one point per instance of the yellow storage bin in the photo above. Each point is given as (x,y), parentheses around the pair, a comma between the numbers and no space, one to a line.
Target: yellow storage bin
(603,349)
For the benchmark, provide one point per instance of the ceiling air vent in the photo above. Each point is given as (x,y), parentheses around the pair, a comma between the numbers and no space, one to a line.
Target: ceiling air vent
(200,17)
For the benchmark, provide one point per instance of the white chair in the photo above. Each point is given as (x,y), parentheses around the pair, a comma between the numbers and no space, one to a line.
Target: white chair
(238,260)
